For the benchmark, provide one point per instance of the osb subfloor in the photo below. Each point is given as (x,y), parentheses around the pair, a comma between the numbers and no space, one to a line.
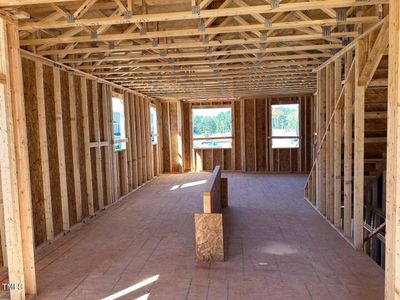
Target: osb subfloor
(278,248)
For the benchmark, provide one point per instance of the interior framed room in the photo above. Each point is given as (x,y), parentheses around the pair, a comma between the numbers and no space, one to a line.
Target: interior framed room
(199,149)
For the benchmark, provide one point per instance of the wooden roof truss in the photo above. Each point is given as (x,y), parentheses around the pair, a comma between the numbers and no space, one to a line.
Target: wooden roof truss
(192,49)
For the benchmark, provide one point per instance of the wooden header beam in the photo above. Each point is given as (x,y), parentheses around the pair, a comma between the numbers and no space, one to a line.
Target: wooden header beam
(196,44)
(196,32)
(6,3)
(204,14)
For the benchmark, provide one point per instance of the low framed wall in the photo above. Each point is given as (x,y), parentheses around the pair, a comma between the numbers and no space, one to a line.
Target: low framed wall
(209,225)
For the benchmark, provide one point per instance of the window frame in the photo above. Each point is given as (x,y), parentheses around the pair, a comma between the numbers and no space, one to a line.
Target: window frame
(122,141)
(230,137)
(298,137)
(156,123)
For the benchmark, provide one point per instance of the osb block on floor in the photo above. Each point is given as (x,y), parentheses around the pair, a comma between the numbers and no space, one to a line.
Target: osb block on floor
(209,237)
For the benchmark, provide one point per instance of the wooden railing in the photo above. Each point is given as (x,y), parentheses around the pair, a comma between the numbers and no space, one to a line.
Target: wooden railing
(209,228)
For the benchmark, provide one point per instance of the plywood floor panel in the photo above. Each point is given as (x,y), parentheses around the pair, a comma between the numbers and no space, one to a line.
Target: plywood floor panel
(278,248)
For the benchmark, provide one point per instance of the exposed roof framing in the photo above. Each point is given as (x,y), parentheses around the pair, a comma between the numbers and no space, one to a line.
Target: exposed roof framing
(195,49)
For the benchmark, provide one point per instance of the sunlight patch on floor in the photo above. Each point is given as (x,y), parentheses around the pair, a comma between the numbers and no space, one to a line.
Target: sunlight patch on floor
(133,288)
(188,184)
(279,248)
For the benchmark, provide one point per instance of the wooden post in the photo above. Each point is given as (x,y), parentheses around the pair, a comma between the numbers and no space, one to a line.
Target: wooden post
(8,166)
(114,156)
(144,138)
(134,142)
(22,159)
(254,146)
(129,144)
(2,229)
(327,100)
(86,140)
(99,173)
(169,137)
(243,135)
(321,199)
(44,154)
(107,122)
(192,152)
(348,149)
(233,150)
(61,149)
(139,140)
(267,141)
(331,143)
(338,148)
(317,156)
(392,265)
(75,147)
(359,112)
(149,145)
(181,152)
(160,136)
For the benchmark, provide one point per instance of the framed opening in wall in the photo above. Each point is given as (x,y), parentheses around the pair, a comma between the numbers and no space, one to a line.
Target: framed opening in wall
(212,128)
(285,125)
(153,125)
(118,122)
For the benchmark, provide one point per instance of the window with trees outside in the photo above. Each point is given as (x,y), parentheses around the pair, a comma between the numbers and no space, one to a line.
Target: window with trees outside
(153,125)
(285,126)
(212,127)
(119,123)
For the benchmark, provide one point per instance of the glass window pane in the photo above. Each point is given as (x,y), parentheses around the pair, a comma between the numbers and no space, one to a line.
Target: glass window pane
(285,143)
(212,127)
(119,123)
(212,143)
(211,122)
(153,125)
(285,120)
